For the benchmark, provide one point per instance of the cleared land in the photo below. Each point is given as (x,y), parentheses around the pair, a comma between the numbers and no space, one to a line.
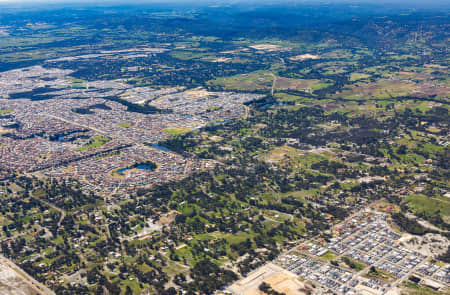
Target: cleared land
(389,88)
(266,47)
(304,57)
(264,80)
(278,278)
(14,281)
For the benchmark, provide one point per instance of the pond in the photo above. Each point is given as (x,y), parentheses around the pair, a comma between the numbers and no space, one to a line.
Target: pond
(219,122)
(63,138)
(141,166)
(160,147)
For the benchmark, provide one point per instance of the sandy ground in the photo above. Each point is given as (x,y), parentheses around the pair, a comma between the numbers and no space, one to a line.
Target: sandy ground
(222,59)
(363,290)
(430,244)
(304,57)
(11,283)
(394,291)
(3,130)
(278,278)
(197,93)
(266,47)
(286,283)
(368,179)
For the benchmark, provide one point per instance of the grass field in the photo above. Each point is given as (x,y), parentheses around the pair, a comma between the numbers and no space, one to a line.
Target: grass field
(187,55)
(416,289)
(300,84)
(358,76)
(251,81)
(95,142)
(6,111)
(176,131)
(79,81)
(328,256)
(380,275)
(386,88)
(124,125)
(78,86)
(259,80)
(428,206)
(353,264)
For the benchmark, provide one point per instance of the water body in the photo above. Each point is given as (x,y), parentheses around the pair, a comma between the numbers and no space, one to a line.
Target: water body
(219,122)
(142,166)
(224,121)
(185,115)
(122,170)
(62,138)
(160,147)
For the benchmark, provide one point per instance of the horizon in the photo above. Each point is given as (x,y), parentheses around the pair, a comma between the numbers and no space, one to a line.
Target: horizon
(220,2)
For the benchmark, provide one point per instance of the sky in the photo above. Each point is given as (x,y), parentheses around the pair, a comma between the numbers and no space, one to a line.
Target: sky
(443,4)
(210,1)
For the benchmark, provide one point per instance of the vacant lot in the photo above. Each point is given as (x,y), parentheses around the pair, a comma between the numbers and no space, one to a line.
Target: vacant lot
(300,84)
(429,206)
(266,47)
(264,80)
(304,57)
(248,82)
(279,279)
(389,88)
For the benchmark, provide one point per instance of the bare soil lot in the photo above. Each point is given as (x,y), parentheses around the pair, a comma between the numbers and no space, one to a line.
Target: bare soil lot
(278,278)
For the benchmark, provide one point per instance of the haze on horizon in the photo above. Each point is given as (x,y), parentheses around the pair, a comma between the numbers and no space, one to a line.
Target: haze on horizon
(211,2)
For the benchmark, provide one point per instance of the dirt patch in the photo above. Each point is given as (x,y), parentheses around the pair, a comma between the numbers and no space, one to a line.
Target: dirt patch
(3,130)
(267,47)
(279,279)
(196,93)
(180,247)
(222,59)
(304,57)
(11,283)
(430,244)
(275,156)
(216,138)
(250,284)
(298,84)
(388,88)
(235,51)
(168,218)
(286,283)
